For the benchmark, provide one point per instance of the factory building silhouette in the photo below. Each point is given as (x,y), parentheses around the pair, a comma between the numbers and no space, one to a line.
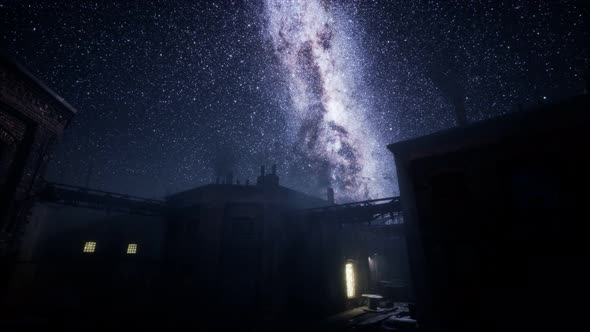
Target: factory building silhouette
(263,248)
(488,225)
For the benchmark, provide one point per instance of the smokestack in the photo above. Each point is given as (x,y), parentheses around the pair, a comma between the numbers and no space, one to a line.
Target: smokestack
(88,175)
(274,169)
(587,79)
(450,84)
(460,114)
(331,196)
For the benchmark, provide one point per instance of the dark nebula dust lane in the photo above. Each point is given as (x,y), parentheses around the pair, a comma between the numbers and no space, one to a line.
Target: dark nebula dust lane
(334,133)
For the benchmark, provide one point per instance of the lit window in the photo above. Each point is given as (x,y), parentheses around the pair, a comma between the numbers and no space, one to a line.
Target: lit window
(89,247)
(132,249)
(350,280)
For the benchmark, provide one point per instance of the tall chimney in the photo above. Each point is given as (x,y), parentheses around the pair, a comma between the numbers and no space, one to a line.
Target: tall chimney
(88,175)
(587,79)
(460,113)
(260,179)
(331,196)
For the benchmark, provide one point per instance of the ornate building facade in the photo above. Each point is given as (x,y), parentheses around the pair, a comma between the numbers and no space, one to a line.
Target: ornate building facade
(32,117)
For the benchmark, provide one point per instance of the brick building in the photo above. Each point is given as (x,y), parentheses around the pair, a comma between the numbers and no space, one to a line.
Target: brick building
(32,117)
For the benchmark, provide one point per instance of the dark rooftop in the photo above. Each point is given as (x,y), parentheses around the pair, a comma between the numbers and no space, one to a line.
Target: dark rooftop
(570,113)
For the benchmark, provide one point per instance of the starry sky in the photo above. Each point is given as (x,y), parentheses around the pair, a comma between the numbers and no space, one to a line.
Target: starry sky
(172,93)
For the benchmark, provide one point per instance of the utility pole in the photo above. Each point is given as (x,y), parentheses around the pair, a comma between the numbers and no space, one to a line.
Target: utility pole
(88,175)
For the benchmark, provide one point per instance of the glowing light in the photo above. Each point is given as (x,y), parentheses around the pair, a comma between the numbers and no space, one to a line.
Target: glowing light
(350,280)
(132,249)
(89,247)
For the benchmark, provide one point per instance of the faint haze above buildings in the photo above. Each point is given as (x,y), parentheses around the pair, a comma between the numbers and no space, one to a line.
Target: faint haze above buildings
(165,87)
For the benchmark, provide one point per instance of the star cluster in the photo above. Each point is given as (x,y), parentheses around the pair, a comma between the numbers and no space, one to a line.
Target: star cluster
(172,93)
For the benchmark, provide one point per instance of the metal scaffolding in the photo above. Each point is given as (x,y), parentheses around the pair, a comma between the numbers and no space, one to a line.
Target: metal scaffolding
(376,213)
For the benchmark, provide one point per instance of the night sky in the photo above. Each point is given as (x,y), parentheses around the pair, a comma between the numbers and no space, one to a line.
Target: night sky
(171,93)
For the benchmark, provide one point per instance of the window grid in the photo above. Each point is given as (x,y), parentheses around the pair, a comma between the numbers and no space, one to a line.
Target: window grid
(132,249)
(89,247)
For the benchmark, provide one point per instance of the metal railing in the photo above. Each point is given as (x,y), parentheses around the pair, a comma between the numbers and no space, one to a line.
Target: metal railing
(382,212)
(98,199)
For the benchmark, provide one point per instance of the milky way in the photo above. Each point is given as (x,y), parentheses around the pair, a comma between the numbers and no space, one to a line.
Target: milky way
(333,133)
(171,93)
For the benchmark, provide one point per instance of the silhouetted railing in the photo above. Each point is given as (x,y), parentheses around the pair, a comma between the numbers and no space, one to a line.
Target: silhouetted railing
(384,211)
(101,200)
(378,212)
